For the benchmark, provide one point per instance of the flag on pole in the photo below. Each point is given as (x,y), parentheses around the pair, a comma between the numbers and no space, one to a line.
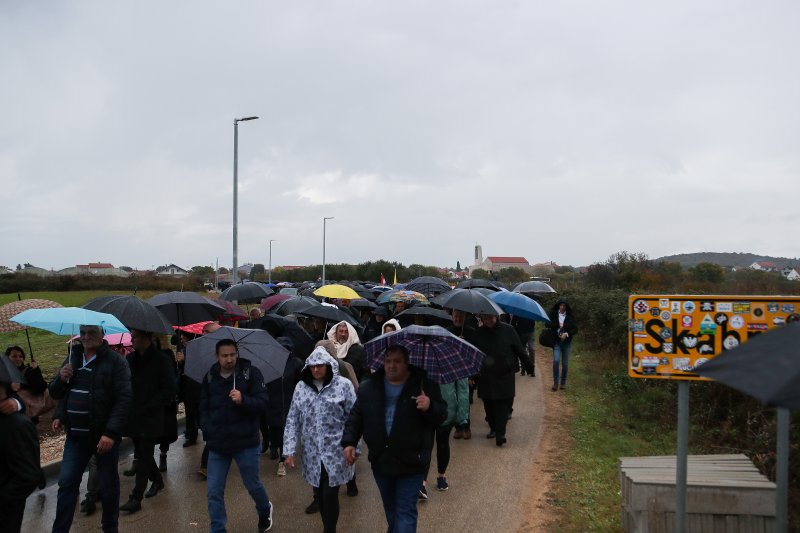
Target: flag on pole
(395,277)
(383,280)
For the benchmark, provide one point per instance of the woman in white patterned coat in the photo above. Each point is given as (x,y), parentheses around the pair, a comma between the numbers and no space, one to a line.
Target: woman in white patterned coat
(320,405)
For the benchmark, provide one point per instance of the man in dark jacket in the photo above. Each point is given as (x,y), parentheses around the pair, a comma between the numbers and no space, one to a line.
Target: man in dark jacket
(397,411)
(19,464)
(232,397)
(94,389)
(153,384)
(563,321)
(496,387)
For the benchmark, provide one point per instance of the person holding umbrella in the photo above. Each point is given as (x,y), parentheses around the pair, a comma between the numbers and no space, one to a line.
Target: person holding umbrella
(320,405)
(233,395)
(93,387)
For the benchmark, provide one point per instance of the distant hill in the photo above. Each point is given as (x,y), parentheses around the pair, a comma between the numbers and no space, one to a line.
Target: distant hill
(727,259)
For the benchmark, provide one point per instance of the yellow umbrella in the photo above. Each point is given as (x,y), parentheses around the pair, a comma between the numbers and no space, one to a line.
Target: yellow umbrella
(337,291)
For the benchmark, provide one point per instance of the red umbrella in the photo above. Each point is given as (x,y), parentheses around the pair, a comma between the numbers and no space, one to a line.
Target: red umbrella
(194,329)
(271,301)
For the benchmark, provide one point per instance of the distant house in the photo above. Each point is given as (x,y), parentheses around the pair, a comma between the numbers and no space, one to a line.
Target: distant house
(495,263)
(5,270)
(171,270)
(287,267)
(765,266)
(547,267)
(244,270)
(93,269)
(36,271)
(790,273)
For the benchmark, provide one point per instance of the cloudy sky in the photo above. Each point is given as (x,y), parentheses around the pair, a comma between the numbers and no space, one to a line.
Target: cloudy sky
(561,131)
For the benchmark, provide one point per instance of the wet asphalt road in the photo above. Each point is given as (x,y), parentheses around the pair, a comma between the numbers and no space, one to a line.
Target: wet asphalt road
(487,485)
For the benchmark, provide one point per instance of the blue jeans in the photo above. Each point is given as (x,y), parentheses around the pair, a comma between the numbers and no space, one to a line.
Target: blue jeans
(77,452)
(561,355)
(399,495)
(218,466)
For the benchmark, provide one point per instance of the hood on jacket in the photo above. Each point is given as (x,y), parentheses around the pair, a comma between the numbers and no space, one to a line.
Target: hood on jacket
(391,322)
(343,347)
(319,356)
(554,309)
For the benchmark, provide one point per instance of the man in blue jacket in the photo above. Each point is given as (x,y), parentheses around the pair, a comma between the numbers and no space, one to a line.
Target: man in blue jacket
(397,410)
(233,396)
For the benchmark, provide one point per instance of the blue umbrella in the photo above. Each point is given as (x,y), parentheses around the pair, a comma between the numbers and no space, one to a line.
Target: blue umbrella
(68,320)
(519,305)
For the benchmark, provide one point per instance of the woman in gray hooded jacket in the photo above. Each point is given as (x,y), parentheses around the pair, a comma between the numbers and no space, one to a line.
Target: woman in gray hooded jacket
(320,406)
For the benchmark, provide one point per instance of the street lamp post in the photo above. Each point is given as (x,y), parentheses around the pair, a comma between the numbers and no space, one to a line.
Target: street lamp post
(324,223)
(270,259)
(235,268)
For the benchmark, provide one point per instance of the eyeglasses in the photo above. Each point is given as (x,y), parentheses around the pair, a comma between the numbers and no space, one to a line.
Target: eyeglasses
(89,332)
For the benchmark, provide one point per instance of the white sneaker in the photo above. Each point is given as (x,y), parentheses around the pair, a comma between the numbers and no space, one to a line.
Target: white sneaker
(281,469)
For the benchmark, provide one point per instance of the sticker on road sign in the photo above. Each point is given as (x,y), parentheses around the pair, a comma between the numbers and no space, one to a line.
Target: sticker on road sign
(721,318)
(663,303)
(686,321)
(668,347)
(689,341)
(680,363)
(736,322)
(741,307)
(665,315)
(787,308)
(773,307)
(638,347)
(730,342)
(636,325)
(676,308)
(666,333)
(724,307)
(689,307)
(757,327)
(707,306)
(707,325)
(641,307)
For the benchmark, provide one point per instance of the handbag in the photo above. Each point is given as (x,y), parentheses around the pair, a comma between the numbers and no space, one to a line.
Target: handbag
(36,404)
(548,337)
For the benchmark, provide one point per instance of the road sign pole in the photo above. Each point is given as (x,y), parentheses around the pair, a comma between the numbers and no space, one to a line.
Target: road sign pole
(782,473)
(682,457)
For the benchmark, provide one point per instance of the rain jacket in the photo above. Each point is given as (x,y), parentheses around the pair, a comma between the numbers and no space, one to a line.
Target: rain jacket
(502,348)
(350,350)
(391,322)
(229,428)
(110,392)
(319,417)
(569,321)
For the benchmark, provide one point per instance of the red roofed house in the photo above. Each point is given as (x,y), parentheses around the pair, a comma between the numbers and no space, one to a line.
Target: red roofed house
(494,263)
(766,266)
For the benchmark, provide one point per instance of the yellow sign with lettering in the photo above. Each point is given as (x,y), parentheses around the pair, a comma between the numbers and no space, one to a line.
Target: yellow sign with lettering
(670,335)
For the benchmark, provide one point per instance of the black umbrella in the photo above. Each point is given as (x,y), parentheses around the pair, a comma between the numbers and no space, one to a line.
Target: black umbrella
(469,301)
(247,292)
(183,308)
(428,285)
(477,282)
(295,305)
(278,326)
(9,373)
(534,287)
(132,312)
(766,367)
(433,317)
(363,303)
(255,345)
(330,314)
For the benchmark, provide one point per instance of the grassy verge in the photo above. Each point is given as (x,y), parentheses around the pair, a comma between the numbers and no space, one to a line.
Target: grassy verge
(614,416)
(50,349)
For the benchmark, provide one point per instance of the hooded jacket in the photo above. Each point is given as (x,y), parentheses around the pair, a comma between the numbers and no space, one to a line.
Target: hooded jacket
(229,428)
(319,416)
(570,326)
(350,350)
(391,322)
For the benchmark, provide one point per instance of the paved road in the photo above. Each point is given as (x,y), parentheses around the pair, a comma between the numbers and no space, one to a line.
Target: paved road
(487,486)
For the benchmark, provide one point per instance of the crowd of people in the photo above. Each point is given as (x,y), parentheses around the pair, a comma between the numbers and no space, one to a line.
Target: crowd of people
(327,404)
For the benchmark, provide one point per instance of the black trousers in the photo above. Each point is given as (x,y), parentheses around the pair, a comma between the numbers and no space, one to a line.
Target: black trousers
(442,450)
(146,469)
(497,412)
(11,513)
(328,502)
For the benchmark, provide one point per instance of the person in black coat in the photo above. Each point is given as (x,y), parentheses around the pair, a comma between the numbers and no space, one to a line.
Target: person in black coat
(19,465)
(153,384)
(496,385)
(562,320)
(34,381)
(397,411)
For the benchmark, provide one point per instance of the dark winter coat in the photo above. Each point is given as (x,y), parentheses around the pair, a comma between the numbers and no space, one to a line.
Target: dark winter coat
(153,384)
(229,428)
(110,392)
(570,326)
(169,433)
(503,349)
(19,459)
(34,381)
(407,450)
(280,392)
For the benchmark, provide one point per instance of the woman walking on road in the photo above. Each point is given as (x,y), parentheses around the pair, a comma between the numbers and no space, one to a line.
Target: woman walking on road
(563,321)
(320,406)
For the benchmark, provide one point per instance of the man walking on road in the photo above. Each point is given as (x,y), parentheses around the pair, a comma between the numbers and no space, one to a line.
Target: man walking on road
(397,410)
(233,395)
(94,389)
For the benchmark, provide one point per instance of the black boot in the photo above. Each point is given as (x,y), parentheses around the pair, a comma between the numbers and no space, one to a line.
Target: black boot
(154,488)
(131,471)
(162,462)
(131,506)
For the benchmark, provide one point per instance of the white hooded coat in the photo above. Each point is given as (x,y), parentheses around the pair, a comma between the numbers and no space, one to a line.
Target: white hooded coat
(319,418)
(343,347)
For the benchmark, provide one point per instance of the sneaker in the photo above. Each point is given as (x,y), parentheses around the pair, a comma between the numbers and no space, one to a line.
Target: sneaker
(423,493)
(265,521)
(281,469)
(441,483)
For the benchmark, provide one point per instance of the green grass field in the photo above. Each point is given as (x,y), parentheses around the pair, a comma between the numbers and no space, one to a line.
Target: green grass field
(49,349)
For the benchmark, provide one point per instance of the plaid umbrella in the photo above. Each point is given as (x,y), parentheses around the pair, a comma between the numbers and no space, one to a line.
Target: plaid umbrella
(401,296)
(445,357)
(15,308)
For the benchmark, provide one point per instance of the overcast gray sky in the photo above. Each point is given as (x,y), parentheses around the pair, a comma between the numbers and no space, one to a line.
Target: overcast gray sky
(561,131)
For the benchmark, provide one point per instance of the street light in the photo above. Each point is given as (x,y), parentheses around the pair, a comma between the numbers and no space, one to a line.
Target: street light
(236,122)
(324,223)
(270,259)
